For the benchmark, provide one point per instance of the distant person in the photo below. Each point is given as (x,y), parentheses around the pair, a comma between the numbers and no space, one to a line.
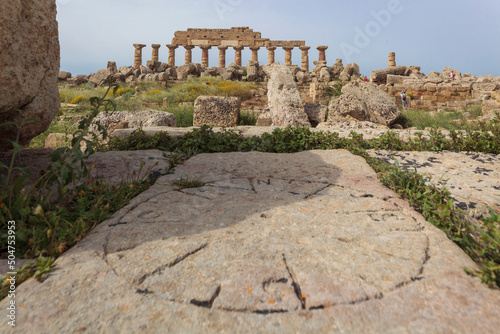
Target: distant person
(404,100)
(452,76)
(366,79)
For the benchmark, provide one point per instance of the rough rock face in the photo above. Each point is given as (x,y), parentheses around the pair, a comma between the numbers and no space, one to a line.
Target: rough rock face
(137,119)
(315,112)
(284,101)
(232,72)
(29,66)
(350,72)
(364,102)
(252,70)
(216,111)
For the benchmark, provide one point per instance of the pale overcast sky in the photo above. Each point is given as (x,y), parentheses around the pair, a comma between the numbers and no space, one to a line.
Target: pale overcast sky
(462,34)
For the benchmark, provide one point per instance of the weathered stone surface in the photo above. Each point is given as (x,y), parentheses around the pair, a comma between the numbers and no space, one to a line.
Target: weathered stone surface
(216,111)
(285,104)
(473,179)
(78,79)
(252,70)
(337,69)
(100,77)
(316,113)
(55,140)
(306,242)
(324,74)
(264,119)
(63,75)
(446,73)
(364,102)
(185,70)
(29,66)
(232,72)
(350,72)
(137,119)
(395,79)
(380,76)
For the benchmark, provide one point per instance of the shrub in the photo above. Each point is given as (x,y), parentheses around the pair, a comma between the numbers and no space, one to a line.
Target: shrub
(77,99)
(124,90)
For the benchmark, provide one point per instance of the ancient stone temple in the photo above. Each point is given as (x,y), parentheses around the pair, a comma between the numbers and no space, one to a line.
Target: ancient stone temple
(237,38)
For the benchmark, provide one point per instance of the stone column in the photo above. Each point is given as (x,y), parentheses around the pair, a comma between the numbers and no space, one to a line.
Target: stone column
(270,54)
(237,54)
(322,49)
(255,55)
(138,55)
(171,54)
(189,54)
(156,52)
(288,54)
(204,55)
(392,59)
(305,58)
(222,56)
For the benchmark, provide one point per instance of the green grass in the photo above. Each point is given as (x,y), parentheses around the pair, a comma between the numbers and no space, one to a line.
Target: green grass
(449,120)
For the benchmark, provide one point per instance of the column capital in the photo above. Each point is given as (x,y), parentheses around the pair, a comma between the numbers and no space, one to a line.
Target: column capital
(172,46)
(188,47)
(223,47)
(139,46)
(271,48)
(238,48)
(155,46)
(288,48)
(254,48)
(322,48)
(205,47)
(304,48)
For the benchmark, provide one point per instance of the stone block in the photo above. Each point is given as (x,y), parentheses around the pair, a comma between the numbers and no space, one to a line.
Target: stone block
(395,79)
(216,111)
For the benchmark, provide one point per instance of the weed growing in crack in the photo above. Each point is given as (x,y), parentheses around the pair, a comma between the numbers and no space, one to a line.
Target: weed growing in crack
(184,183)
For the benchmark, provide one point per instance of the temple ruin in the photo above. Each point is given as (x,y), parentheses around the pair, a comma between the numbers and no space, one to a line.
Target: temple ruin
(238,38)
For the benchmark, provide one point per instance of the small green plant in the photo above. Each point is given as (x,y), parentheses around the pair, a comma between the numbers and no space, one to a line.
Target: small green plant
(184,183)
(333,91)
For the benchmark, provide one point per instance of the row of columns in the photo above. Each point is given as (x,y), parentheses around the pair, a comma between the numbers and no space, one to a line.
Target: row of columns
(222,54)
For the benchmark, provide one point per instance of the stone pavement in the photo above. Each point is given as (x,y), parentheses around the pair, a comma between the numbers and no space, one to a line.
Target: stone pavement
(472,178)
(280,243)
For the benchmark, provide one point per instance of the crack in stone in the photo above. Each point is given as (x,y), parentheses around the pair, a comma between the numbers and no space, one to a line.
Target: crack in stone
(318,191)
(170,264)
(295,285)
(207,303)
(270,281)
(195,195)
(269,311)
(119,223)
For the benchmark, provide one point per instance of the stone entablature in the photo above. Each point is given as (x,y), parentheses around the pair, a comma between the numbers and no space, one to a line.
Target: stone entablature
(236,36)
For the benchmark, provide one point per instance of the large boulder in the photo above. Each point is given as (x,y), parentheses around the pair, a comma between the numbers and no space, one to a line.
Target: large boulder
(284,101)
(252,70)
(100,77)
(364,102)
(29,66)
(232,72)
(216,111)
(137,119)
(380,76)
(350,72)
